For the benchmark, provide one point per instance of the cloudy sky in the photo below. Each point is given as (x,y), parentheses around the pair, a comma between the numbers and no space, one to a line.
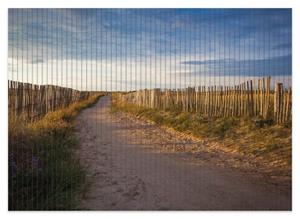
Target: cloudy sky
(129,49)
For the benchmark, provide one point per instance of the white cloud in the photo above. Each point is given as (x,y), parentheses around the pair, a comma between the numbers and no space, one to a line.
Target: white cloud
(122,75)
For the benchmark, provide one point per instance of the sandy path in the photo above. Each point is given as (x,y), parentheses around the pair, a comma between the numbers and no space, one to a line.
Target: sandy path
(129,170)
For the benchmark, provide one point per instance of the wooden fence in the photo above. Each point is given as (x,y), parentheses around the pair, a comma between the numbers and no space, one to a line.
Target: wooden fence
(245,99)
(33,101)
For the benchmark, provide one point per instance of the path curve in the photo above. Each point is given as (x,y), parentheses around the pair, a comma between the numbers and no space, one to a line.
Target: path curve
(127,169)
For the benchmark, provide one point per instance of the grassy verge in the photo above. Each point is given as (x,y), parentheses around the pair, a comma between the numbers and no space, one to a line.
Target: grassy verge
(44,173)
(256,142)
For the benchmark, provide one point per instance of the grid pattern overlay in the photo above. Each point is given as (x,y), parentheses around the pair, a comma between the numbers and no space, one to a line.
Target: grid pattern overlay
(184,68)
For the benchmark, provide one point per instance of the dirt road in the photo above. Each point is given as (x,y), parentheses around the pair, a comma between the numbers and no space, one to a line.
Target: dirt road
(129,169)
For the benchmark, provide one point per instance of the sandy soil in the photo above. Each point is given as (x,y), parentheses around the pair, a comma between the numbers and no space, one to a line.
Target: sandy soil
(136,165)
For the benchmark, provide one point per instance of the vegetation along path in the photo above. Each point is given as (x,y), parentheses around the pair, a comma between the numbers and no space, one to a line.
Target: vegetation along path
(134,164)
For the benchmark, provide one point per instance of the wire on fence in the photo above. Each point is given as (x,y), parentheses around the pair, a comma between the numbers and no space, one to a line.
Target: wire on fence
(31,101)
(221,101)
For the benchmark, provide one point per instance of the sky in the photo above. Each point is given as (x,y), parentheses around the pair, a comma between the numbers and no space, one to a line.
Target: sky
(130,49)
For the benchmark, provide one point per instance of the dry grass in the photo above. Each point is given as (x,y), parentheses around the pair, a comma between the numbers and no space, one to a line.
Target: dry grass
(257,142)
(44,173)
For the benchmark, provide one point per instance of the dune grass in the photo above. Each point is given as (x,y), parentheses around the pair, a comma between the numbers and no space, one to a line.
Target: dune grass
(44,172)
(255,140)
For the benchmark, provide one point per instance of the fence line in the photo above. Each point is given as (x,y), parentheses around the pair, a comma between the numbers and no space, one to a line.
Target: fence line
(221,101)
(33,101)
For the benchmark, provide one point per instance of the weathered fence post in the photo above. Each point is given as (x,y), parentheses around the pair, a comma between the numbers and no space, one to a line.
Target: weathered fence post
(278,102)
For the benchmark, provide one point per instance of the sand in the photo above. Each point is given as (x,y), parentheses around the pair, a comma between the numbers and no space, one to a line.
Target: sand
(136,165)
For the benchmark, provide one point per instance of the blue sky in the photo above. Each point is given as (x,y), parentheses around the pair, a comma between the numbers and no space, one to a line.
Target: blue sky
(127,49)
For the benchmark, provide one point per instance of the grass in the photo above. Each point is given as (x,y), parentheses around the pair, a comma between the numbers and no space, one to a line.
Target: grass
(253,139)
(44,172)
